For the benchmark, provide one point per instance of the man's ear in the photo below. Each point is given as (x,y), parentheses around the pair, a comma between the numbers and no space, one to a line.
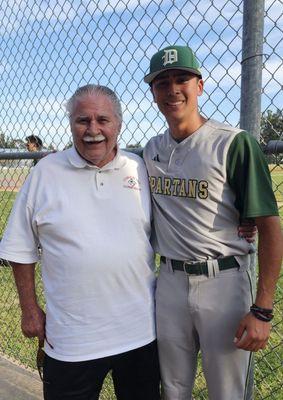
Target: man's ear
(200,87)
(119,128)
(152,93)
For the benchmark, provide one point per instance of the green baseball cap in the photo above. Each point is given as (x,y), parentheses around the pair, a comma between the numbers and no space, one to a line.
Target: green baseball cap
(173,57)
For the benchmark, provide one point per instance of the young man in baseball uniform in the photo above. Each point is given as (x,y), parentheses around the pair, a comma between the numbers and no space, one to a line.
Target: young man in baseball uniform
(205,177)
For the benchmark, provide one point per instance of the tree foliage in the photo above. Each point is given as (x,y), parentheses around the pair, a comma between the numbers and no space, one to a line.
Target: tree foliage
(10,143)
(134,146)
(271,125)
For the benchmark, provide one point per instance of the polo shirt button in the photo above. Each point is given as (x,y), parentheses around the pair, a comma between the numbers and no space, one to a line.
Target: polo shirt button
(178,162)
(101,184)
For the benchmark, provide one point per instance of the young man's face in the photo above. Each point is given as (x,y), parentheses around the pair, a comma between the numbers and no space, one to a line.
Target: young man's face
(176,94)
(31,146)
(95,128)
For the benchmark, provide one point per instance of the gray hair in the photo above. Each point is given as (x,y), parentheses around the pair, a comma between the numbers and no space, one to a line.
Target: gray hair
(92,89)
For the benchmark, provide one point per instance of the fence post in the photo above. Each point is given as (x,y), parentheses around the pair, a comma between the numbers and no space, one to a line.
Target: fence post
(251,84)
(251,81)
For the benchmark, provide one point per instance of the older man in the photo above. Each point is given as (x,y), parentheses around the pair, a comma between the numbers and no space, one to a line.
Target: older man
(89,209)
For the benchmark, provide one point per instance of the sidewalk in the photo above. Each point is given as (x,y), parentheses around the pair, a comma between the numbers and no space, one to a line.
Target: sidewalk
(16,383)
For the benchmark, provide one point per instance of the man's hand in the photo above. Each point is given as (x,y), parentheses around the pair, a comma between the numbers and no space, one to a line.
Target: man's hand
(248,230)
(33,323)
(252,334)
(33,317)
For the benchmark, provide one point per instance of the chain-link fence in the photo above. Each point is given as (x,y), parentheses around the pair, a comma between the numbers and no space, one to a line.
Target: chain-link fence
(48,49)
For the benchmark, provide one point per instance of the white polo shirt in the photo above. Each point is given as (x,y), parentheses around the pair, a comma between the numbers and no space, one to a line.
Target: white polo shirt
(93,226)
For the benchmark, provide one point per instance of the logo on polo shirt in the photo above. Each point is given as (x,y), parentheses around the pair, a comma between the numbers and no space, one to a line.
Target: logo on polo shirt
(131,182)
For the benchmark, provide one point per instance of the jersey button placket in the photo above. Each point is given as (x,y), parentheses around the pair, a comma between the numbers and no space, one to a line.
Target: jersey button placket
(172,159)
(175,161)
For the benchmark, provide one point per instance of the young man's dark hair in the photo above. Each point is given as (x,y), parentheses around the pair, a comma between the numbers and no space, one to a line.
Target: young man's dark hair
(34,143)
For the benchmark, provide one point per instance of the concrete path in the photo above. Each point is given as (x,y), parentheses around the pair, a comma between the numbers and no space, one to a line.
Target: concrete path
(16,383)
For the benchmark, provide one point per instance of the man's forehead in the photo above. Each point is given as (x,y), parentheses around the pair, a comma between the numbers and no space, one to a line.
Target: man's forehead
(93,102)
(173,72)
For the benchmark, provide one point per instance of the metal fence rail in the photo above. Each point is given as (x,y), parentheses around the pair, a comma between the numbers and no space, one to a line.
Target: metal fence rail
(48,49)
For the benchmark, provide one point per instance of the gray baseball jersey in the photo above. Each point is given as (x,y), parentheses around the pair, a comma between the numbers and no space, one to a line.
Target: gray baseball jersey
(202,187)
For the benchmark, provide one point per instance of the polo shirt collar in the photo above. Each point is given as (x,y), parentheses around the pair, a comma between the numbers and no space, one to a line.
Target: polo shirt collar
(78,162)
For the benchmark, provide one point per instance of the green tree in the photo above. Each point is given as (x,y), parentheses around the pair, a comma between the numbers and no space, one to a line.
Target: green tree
(4,142)
(134,146)
(51,147)
(271,125)
(10,143)
(17,144)
(69,144)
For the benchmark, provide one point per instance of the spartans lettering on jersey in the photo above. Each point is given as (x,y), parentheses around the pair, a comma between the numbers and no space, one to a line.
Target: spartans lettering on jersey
(167,186)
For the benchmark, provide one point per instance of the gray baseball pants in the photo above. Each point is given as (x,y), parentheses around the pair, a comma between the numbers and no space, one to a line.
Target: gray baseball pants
(201,314)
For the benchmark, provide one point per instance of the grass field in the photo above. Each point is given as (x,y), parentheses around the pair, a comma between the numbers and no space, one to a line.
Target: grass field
(277,184)
(268,371)
(7,199)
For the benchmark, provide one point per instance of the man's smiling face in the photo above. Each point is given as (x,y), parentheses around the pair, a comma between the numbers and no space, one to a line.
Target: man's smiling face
(95,127)
(176,94)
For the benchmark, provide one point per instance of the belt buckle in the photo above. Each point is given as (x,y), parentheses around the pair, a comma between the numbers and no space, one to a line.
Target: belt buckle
(186,262)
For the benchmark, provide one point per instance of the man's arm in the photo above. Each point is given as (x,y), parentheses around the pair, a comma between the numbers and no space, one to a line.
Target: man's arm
(33,317)
(270,258)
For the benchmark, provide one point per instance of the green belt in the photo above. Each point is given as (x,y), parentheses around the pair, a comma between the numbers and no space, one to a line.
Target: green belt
(201,268)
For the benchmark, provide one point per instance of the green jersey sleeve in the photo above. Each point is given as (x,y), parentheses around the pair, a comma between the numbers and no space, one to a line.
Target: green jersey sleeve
(249,177)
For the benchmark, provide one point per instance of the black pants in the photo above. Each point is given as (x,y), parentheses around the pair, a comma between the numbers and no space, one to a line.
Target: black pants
(135,376)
